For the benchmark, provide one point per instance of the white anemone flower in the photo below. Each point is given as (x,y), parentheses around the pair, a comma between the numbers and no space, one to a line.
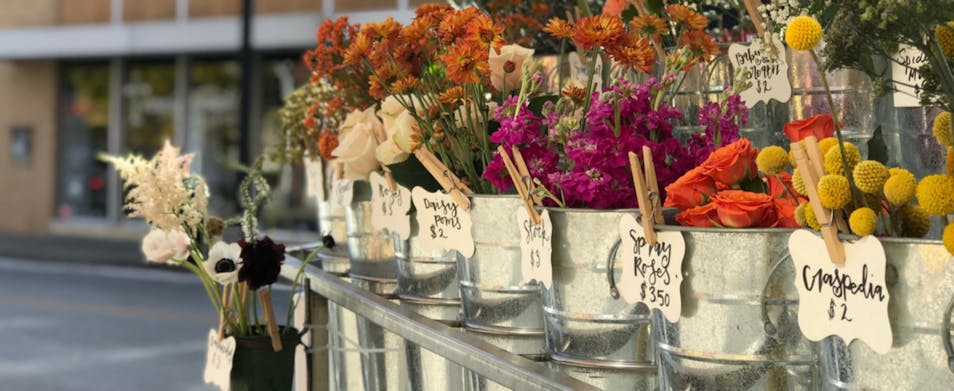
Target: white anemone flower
(160,246)
(224,262)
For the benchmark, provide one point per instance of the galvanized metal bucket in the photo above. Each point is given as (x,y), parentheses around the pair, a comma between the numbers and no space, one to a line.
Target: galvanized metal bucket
(383,361)
(510,343)
(494,297)
(331,222)
(427,281)
(738,328)
(429,371)
(344,350)
(587,327)
(371,250)
(920,279)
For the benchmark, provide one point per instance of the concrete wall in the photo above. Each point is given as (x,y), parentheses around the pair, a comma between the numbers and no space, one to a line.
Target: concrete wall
(28,99)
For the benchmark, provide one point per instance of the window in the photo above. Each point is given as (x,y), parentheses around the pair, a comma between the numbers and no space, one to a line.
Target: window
(213,130)
(148,106)
(84,115)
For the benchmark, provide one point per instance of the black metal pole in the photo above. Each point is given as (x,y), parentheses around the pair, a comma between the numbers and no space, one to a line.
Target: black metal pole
(245,103)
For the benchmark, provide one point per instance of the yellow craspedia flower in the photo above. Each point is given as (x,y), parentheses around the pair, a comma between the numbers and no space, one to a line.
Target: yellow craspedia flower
(833,163)
(803,33)
(800,214)
(942,129)
(811,221)
(915,222)
(834,191)
(870,176)
(936,194)
(863,221)
(900,187)
(826,143)
(772,160)
(945,36)
(948,238)
(798,184)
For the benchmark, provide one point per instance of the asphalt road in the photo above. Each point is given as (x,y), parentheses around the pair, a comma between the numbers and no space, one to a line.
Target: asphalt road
(75,327)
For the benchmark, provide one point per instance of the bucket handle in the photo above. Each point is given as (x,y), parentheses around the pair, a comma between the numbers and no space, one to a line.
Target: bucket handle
(946,334)
(610,263)
(768,326)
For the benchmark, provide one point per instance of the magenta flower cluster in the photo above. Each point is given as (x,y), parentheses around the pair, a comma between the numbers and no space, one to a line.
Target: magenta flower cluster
(721,120)
(590,167)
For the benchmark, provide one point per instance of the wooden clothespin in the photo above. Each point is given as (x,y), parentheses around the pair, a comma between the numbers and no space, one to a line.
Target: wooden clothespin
(653,185)
(814,155)
(450,182)
(525,174)
(810,176)
(518,183)
(389,178)
(642,195)
(339,171)
(266,298)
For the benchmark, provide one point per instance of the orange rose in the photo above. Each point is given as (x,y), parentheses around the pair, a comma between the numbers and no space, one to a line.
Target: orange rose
(614,7)
(785,213)
(700,216)
(743,209)
(691,189)
(732,163)
(820,126)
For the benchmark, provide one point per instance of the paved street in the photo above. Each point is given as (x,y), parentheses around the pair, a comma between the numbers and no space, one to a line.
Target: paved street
(79,327)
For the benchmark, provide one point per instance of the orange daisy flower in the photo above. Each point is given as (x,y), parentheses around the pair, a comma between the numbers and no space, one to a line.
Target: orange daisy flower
(453,95)
(682,14)
(598,30)
(484,31)
(327,142)
(559,28)
(455,24)
(466,63)
(702,45)
(358,50)
(634,53)
(648,26)
(404,85)
(577,94)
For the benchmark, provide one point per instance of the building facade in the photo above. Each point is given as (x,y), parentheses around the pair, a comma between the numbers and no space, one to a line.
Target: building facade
(83,77)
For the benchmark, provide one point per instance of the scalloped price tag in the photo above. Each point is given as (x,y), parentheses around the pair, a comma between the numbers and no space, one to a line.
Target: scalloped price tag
(389,208)
(911,59)
(848,300)
(444,225)
(768,74)
(536,247)
(342,193)
(218,360)
(652,275)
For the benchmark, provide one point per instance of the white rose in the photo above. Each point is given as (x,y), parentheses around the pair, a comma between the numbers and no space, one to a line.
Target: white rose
(224,262)
(389,153)
(358,138)
(402,132)
(516,56)
(160,246)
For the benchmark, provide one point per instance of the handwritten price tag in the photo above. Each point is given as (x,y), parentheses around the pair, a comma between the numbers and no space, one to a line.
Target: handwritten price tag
(390,208)
(218,360)
(580,70)
(536,246)
(342,192)
(848,300)
(314,177)
(651,274)
(768,74)
(909,93)
(444,224)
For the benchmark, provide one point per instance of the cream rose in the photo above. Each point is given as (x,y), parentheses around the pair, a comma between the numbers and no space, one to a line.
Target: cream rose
(506,68)
(160,246)
(402,132)
(358,137)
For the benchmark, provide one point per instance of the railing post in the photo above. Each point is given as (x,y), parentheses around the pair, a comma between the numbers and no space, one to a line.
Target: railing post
(318,374)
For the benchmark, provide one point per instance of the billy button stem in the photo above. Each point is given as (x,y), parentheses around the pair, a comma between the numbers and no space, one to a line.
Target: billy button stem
(834,118)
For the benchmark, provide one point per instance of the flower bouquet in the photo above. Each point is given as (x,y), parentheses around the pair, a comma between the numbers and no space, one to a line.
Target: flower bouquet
(236,276)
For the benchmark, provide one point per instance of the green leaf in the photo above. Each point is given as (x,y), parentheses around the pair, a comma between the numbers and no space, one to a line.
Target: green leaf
(411,172)
(629,13)
(877,148)
(655,6)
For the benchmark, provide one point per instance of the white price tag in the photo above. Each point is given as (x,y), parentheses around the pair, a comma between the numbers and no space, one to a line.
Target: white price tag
(342,192)
(651,274)
(579,71)
(912,59)
(444,225)
(218,360)
(314,177)
(848,300)
(536,247)
(768,74)
(390,208)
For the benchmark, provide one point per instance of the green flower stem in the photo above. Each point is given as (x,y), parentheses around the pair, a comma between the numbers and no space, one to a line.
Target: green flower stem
(591,70)
(240,308)
(297,282)
(787,190)
(834,118)
(254,313)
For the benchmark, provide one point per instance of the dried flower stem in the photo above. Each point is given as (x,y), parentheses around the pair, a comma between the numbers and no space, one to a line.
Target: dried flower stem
(834,118)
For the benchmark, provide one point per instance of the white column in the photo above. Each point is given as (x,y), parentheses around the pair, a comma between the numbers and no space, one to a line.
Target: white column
(114,138)
(116,11)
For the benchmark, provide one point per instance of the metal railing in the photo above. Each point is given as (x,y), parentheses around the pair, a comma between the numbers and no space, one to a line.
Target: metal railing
(468,351)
